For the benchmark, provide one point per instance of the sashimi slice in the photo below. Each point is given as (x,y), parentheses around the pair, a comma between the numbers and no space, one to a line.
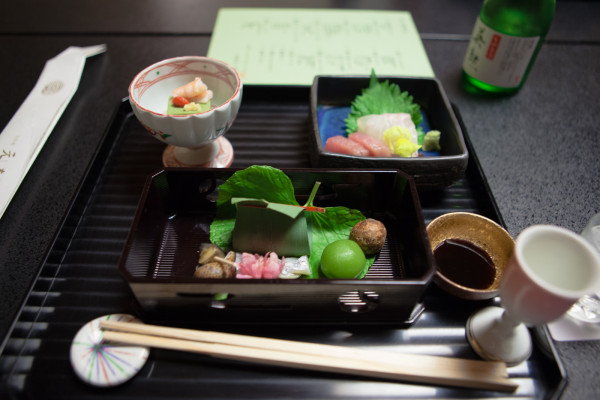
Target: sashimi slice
(376,147)
(375,125)
(343,145)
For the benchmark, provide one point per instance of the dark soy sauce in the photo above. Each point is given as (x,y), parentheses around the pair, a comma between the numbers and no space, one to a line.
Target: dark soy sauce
(465,263)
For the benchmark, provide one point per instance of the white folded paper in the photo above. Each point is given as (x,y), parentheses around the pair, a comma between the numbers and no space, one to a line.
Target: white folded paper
(27,131)
(566,329)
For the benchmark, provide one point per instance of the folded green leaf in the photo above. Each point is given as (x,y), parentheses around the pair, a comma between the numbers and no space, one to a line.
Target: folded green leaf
(262,226)
(290,210)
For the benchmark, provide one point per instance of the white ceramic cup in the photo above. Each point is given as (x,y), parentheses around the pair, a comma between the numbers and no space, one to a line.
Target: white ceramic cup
(550,269)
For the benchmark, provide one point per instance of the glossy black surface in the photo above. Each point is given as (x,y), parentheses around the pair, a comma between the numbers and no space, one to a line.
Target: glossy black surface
(539,149)
(80,281)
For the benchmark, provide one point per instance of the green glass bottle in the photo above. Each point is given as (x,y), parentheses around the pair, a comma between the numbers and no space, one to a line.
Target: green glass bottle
(507,37)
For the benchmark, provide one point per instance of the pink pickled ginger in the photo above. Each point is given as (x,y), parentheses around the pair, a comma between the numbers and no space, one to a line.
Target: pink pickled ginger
(254,266)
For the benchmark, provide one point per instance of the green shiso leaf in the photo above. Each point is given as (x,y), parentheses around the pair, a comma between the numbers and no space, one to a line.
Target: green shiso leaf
(257,182)
(381,98)
(273,185)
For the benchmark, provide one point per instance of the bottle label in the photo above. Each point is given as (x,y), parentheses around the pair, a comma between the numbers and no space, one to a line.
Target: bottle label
(498,59)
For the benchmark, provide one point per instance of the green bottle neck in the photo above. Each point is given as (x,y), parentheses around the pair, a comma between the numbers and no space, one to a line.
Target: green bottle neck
(519,17)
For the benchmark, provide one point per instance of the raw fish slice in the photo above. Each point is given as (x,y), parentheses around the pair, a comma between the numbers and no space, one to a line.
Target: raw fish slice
(343,145)
(376,147)
(376,124)
(295,267)
(298,266)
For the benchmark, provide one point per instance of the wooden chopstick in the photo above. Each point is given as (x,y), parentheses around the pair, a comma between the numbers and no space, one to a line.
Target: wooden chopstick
(476,374)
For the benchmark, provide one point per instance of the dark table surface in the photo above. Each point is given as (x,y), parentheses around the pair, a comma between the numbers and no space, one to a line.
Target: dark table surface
(539,148)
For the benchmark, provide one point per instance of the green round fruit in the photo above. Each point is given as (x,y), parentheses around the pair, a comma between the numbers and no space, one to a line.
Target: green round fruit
(342,259)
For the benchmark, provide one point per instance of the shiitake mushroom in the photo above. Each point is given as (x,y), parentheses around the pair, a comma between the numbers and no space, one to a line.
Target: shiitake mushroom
(208,252)
(215,264)
(211,270)
(370,235)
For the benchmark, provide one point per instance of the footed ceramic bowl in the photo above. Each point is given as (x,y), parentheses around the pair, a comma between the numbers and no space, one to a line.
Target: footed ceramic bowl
(149,94)
(480,231)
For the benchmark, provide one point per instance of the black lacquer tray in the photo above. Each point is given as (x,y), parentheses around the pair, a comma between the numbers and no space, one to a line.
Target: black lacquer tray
(79,281)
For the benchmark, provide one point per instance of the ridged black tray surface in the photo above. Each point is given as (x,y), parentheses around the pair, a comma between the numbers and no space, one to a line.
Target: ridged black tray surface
(79,281)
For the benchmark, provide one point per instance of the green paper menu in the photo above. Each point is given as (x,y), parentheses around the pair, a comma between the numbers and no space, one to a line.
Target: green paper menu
(274,46)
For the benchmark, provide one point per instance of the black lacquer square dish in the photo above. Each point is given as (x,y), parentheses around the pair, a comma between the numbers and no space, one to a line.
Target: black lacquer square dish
(174,218)
(331,97)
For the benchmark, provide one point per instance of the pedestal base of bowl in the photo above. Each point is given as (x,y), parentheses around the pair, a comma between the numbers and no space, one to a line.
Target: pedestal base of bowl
(495,338)
(217,154)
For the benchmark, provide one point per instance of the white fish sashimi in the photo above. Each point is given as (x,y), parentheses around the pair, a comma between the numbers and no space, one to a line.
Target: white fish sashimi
(295,267)
(375,125)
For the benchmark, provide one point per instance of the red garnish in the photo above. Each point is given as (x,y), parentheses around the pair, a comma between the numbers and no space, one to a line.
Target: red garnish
(180,101)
